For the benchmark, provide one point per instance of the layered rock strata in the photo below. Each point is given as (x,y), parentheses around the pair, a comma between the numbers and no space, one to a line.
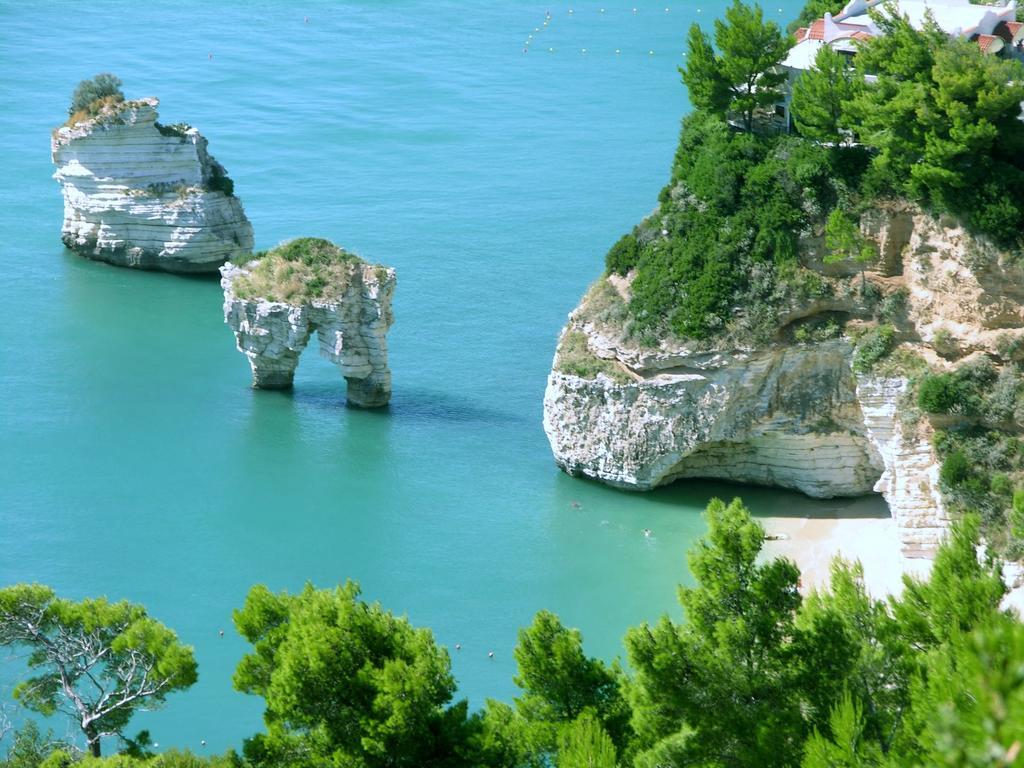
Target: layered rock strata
(139,194)
(789,414)
(351,328)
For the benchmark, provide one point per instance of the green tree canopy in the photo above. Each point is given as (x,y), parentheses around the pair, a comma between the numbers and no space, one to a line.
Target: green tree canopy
(943,117)
(819,95)
(719,688)
(969,705)
(584,744)
(95,661)
(743,76)
(346,681)
(559,681)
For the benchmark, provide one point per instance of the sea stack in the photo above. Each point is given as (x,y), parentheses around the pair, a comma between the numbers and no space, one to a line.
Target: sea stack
(275,301)
(145,195)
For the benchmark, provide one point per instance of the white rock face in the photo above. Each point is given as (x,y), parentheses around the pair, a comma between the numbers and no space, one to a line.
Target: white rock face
(352,332)
(139,196)
(910,480)
(790,415)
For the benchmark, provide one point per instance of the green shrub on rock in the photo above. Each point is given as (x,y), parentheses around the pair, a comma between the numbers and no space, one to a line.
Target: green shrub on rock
(937,393)
(623,255)
(874,345)
(956,468)
(89,92)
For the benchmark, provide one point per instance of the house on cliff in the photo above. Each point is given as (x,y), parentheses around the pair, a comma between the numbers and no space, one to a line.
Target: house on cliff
(994,28)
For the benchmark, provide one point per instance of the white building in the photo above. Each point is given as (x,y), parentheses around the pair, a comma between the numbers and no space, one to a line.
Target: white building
(994,28)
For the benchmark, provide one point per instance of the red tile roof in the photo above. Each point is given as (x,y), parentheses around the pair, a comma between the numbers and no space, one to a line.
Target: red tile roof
(817,31)
(1009,31)
(801,33)
(987,42)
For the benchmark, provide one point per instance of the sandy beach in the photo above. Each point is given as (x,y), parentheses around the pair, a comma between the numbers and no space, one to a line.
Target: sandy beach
(813,542)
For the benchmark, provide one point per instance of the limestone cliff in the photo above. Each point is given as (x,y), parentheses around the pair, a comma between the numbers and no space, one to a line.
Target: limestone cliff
(795,411)
(351,318)
(140,194)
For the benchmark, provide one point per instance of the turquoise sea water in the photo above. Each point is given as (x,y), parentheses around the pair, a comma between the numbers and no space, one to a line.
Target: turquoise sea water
(136,462)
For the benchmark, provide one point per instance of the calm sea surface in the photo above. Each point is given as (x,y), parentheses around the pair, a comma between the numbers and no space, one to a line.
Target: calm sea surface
(136,462)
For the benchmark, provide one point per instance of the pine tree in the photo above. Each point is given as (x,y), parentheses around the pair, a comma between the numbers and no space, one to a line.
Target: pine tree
(819,94)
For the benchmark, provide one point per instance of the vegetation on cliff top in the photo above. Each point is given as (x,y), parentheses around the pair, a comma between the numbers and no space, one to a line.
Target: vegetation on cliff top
(576,359)
(937,125)
(91,96)
(298,271)
(754,675)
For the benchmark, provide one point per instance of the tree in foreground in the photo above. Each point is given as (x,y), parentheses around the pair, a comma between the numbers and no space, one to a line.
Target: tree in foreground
(584,744)
(560,683)
(721,688)
(95,661)
(346,682)
(743,75)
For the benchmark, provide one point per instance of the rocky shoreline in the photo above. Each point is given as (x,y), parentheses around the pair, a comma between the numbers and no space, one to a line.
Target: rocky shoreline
(788,413)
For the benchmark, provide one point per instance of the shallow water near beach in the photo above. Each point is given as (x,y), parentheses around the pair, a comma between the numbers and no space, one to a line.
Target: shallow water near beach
(136,462)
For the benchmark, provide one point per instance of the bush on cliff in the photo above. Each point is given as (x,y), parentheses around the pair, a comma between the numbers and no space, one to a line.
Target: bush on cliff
(721,251)
(623,255)
(90,95)
(297,271)
(939,126)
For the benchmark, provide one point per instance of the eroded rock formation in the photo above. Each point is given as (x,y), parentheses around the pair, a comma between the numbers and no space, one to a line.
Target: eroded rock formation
(139,194)
(791,413)
(351,327)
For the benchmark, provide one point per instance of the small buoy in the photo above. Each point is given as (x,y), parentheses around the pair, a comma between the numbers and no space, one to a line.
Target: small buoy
(584,50)
(202,743)
(666,10)
(305,21)
(458,646)
(650,53)
(222,633)
(570,10)
(617,51)
(536,29)
(155,744)
(602,10)
(209,55)
(490,654)
(551,50)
